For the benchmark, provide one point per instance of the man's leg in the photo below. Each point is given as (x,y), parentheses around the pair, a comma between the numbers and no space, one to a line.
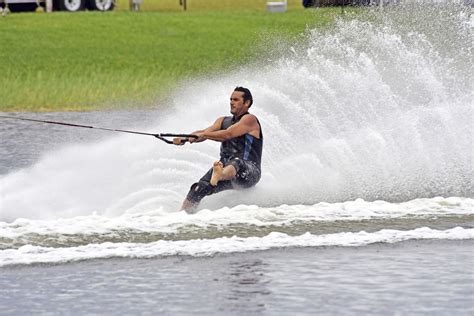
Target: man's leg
(217,179)
(203,188)
(221,173)
(191,202)
(197,191)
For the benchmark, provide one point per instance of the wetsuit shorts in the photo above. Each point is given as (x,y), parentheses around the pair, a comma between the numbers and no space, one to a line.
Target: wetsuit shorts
(248,174)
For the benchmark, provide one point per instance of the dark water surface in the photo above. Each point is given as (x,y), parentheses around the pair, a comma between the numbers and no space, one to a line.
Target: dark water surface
(408,278)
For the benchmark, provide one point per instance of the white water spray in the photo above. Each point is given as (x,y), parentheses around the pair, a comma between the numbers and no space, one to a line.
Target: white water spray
(379,107)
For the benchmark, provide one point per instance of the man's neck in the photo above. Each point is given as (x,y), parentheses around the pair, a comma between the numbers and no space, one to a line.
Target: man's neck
(236,116)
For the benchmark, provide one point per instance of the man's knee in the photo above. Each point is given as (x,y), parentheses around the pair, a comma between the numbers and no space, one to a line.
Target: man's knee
(237,164)
(248,174)
(229,172)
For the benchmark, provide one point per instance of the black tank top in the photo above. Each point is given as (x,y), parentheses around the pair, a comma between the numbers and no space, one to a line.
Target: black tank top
(246,147)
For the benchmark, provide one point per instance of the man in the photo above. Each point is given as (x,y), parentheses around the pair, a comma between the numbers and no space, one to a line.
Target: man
(241,151)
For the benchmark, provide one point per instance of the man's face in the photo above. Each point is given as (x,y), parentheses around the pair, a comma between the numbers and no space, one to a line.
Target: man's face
(237,105)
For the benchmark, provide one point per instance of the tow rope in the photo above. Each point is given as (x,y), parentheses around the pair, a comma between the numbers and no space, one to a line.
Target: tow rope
(160,136)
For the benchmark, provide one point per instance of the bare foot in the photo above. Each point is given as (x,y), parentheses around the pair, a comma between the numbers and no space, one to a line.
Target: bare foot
(217,170)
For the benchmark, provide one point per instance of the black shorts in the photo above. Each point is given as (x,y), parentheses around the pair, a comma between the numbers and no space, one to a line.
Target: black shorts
(248,175)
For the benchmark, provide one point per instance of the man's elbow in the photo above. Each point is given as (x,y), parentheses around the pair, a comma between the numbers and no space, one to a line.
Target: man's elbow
(228,135)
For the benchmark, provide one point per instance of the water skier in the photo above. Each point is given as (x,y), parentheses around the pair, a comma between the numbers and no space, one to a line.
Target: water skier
(239,165)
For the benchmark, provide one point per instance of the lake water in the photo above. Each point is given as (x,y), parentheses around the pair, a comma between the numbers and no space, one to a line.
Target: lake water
(409,278)
(365,206)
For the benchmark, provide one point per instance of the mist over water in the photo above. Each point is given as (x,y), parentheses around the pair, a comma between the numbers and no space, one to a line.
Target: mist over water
(378,107)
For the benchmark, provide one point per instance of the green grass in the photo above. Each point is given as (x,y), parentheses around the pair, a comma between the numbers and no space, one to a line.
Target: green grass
(93,60)
(206,5)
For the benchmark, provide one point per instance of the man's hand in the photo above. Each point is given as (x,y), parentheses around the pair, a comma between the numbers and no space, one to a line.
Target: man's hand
(200,138)
(179,141)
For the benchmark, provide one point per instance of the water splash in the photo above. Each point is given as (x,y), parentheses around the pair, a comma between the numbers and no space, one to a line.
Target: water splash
(378,107)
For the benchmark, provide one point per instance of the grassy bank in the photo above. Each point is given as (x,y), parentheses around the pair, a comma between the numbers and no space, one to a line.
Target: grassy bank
(92,60)
(206,5)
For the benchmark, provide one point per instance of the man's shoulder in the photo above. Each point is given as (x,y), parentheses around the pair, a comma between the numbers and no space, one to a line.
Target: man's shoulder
(249,117)
(221,119)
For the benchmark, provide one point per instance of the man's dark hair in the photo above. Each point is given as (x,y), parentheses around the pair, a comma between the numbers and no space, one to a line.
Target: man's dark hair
(247,94)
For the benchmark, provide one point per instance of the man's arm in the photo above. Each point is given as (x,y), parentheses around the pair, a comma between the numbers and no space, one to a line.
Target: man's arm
(214,127)
(247,125)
